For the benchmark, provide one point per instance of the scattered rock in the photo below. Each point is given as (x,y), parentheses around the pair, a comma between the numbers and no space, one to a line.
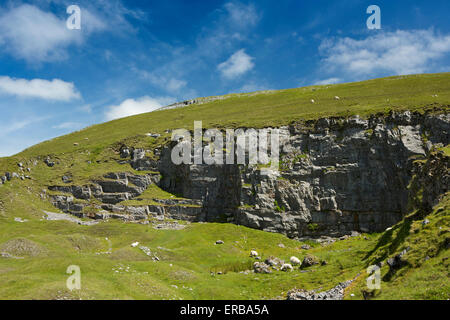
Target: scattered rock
(274,262)
(125,153)
(261,267)
(219,242)
(172,225)
(337,293)
(397,261)
(309,261)
(135,244)
(153,135)
(52,216)
(66,179)
(49,162)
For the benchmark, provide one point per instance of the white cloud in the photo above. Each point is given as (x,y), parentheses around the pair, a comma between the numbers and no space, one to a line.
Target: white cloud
(328,81)
(238,64)
(399,52)
(28,33)
(57,90)
(242,15)
(131,107)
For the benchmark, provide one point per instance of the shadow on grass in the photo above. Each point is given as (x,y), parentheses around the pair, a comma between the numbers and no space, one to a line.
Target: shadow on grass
(402,231)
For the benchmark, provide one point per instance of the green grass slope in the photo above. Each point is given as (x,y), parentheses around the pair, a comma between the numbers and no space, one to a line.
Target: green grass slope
(40,251)
(425,274)
(44,249)
(271,108)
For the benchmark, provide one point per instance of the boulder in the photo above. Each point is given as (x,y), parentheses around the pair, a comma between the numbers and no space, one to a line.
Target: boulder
(309,261)
(274,262)
(397,261)
(261,267)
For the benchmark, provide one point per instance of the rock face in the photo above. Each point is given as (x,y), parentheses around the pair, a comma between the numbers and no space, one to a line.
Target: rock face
(337,175)
(115,187)
(431,180)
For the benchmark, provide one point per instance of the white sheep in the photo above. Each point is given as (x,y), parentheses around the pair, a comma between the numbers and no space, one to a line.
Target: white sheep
(253,254)
(295,261)
(287,267)
(313,101)
(135,244)
(337,98)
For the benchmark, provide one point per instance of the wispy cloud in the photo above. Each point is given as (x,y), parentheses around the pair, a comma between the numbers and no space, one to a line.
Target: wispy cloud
(131,107)
(230,26)
(56,89)
(86,108)
(20,124)
(34,35)
(238,64)
(242,15)
(399,52)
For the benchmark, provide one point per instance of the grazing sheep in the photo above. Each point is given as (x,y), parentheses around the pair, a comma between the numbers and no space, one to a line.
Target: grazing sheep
(337,98)
(295,261)
(135,244)
(253,254)
(313,101)
(287,267)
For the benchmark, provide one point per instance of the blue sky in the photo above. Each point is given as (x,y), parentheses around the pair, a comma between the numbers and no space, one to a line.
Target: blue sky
(135,56)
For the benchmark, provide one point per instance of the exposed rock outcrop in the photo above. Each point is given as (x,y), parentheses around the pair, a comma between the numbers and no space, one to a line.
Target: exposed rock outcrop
(337,175)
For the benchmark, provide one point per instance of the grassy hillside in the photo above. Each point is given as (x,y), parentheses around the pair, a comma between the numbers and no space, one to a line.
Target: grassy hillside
(267,108)
(40,251)
(425,274)
(44,250)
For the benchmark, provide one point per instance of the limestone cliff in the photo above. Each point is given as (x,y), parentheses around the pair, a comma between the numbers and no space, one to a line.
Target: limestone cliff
(336,175)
